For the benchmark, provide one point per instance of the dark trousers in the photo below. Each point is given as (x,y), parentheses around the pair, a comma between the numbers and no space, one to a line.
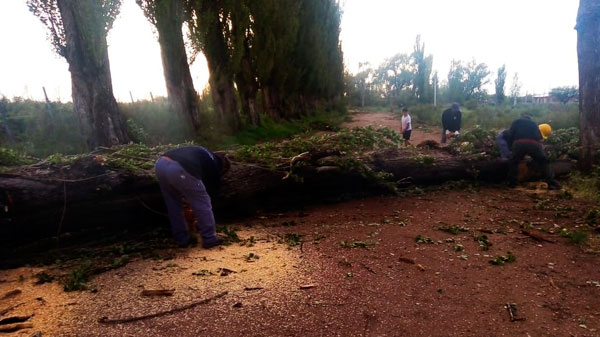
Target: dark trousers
(535,151)
(176,183)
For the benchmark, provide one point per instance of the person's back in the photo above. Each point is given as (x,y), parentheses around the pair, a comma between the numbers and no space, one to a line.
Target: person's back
(525,138)
(200,163)
(524,128)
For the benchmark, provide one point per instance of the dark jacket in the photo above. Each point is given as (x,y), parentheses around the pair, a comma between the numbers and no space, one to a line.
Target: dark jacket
(451,120)
(523,128)
(200,163)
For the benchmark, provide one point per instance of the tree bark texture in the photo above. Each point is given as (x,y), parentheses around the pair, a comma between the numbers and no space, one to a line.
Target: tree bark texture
(43,202)
(87,55)
(588,54)
(219,65)
(271,102)
(245,80)
(183,98)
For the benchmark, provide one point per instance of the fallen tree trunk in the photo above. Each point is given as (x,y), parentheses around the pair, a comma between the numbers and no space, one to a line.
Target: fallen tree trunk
(48,200)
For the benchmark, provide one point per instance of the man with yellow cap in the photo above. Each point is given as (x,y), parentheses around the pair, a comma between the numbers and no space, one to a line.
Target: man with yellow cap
(525,139)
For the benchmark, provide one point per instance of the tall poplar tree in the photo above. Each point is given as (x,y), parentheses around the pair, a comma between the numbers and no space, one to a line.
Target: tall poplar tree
(210,24)
(499,84)
(167,16)
(78,30)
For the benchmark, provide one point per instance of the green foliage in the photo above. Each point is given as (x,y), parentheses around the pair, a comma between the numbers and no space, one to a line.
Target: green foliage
(484,243)
(466,81)
(576,236)
(43,277)
(424,160)
(357,140)
(39,130)
(564,94)
(78,278)
(293,239)
(423,239)
(499,83)
(500,260)
(452,229)
(585,185)
(136,132)
(230,234)
(476,141)
(251,257)
(357,244)
(10,157)
(563,143)
(593,217)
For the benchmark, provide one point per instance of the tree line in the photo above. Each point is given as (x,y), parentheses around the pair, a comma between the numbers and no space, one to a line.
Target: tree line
(407,79)
(281,58)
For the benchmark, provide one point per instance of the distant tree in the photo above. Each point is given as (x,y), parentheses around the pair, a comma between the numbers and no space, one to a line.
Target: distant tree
(465,82)
(515,88)
(77,30)
(167,16)
(423,66)
(564,94)
(500,82)
(363,79)
(394,74)
(588,54)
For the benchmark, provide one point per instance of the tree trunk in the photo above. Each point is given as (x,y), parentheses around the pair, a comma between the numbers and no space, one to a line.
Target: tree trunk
(362,95)
(183,98)
(247,86)
(271,102)
(219,65)
(223,96)
(588,54)
(87,55)
(40,202)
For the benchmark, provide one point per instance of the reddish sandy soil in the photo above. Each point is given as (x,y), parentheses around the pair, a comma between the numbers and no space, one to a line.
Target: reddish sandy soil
(366,274)
(419,134)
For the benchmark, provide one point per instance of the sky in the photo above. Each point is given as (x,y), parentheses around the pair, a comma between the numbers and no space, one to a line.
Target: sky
(534,38)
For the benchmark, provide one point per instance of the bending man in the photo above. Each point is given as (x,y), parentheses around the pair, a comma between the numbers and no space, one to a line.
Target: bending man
(193,173)
(526,138)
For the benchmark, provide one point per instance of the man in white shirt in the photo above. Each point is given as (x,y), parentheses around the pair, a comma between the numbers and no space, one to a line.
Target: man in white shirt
(406,126)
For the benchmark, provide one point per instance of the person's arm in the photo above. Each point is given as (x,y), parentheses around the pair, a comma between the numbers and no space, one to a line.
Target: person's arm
(459,120)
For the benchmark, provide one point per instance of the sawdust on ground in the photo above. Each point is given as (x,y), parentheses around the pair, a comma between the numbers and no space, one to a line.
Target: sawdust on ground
(267,265)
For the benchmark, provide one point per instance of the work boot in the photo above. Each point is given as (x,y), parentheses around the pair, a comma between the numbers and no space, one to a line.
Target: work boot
(554,185)
(191,242)
(207,245)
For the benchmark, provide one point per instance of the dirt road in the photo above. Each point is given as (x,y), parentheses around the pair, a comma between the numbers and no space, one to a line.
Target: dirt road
(419,134)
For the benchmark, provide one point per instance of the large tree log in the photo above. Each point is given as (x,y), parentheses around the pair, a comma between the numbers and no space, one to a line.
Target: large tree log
(45,202)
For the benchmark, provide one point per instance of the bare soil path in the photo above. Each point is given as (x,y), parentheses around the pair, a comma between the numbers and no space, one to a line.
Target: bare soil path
(419,134)
(414,265)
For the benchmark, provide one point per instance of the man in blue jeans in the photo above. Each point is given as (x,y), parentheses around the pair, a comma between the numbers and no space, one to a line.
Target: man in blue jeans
(193,173)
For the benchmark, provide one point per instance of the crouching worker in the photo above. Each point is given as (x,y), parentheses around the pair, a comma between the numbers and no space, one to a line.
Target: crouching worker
(193,173)
(502,141)
(526,138)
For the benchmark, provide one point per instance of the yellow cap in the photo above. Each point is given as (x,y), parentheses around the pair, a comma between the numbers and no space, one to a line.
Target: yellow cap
(545,130)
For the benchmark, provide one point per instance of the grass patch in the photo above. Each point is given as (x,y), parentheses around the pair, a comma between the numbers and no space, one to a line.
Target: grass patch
(577,236)
(78,278)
